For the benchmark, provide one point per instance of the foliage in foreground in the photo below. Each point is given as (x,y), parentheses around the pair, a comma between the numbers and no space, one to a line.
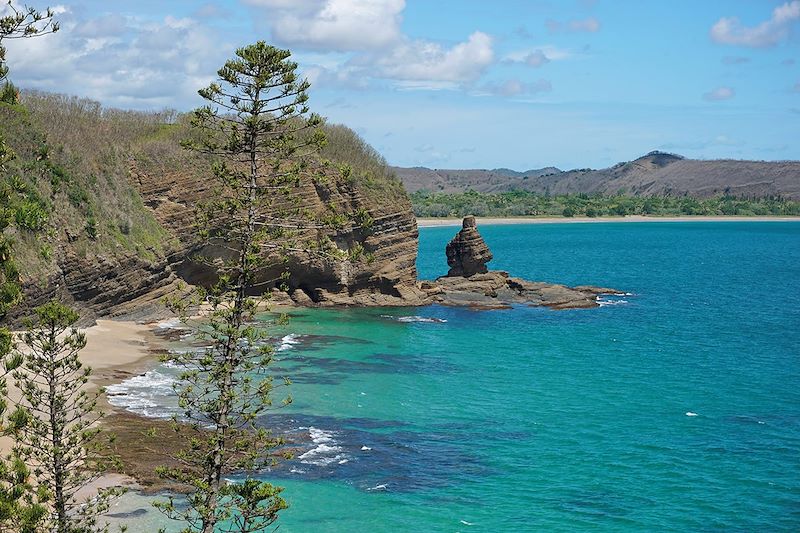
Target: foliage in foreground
(18,509)
(523,203)
(257,129)
(58,417)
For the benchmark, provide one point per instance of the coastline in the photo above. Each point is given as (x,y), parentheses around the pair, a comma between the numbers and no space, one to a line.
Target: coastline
(115,350)
(497,221)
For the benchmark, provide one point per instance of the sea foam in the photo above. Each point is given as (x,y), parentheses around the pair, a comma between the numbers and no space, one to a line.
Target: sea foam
(286,343)
(414,318)
(604,301)
(143,394)
(326,450)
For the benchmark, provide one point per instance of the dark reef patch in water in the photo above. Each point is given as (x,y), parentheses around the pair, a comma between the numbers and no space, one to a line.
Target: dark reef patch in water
(375,454)
(302,368)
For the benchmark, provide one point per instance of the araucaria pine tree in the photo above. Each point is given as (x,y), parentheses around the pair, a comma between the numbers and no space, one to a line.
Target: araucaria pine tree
(18,510)
(18,513)
(258,130)
(19,23)
(60,438)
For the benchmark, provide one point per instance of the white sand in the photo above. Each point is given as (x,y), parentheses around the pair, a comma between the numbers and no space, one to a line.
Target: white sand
(433,222)
(109,344)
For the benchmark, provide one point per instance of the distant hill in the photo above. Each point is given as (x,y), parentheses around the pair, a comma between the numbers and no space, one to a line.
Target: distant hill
(655,174)
(443,180)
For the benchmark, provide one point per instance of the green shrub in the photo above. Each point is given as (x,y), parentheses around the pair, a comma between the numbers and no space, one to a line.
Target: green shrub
(77,195)
(91,227)
(31,215)
(9,94)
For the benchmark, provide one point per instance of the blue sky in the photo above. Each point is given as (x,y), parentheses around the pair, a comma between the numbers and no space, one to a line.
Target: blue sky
(465,83)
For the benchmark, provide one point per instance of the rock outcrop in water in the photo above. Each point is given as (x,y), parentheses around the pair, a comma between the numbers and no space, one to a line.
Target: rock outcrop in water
(469,282)
(498,290)
(121,243)
(467,254)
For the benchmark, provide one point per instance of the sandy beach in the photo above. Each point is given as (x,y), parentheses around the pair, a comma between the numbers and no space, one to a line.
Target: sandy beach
(434,222)
(114,350)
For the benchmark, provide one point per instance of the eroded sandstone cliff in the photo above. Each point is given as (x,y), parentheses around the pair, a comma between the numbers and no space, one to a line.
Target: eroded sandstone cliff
(121,234)
(383,274)
(121,194)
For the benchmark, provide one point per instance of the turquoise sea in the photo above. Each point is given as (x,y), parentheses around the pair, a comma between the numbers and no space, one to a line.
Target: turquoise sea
(676,408)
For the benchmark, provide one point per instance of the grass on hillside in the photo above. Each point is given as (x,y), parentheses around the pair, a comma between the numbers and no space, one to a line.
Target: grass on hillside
(71,177)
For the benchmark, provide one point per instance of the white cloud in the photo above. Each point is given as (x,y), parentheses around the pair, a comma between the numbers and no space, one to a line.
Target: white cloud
(796,87)
(334,24)
(130,62)
(536,59)
(516,87)
(370,32)
(719,94)
(409,65)
(589,25)
(341,76)
(428,61)
(730,30)
(539,55)
(307,5)
(138,65)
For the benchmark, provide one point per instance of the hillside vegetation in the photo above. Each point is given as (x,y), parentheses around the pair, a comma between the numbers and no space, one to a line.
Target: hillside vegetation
(523,203)
(71,172)
(77,198)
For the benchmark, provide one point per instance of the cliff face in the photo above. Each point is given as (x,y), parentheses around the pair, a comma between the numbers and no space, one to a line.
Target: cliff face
(85,238)
(104,285)
(172,191)
(120,197)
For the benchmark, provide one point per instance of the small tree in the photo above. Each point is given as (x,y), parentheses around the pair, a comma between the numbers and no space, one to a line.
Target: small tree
(18,511)
(257,129)
(15,23)
(60,437)
(19,23)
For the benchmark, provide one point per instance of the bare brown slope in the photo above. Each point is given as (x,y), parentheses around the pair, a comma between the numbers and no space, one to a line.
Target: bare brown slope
(443,180)
(654,174)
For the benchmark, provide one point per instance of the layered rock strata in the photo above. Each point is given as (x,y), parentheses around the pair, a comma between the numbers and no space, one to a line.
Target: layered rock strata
(388,277)
(467,254)
(119,286)
(470,283)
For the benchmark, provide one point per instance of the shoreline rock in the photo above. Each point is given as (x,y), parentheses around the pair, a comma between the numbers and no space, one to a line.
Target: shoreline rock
(469,283)
(498,290)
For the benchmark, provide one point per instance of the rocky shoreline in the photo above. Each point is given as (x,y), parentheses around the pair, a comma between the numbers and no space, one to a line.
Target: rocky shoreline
(469,283)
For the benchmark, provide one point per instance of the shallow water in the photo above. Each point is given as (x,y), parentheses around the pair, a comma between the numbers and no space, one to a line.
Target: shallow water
(677,408)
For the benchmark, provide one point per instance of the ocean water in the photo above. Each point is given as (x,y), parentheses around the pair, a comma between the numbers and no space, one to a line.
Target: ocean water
(676,408)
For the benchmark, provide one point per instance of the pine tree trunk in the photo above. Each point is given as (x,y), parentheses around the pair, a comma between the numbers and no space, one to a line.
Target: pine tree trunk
(59,503)
(235,323)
